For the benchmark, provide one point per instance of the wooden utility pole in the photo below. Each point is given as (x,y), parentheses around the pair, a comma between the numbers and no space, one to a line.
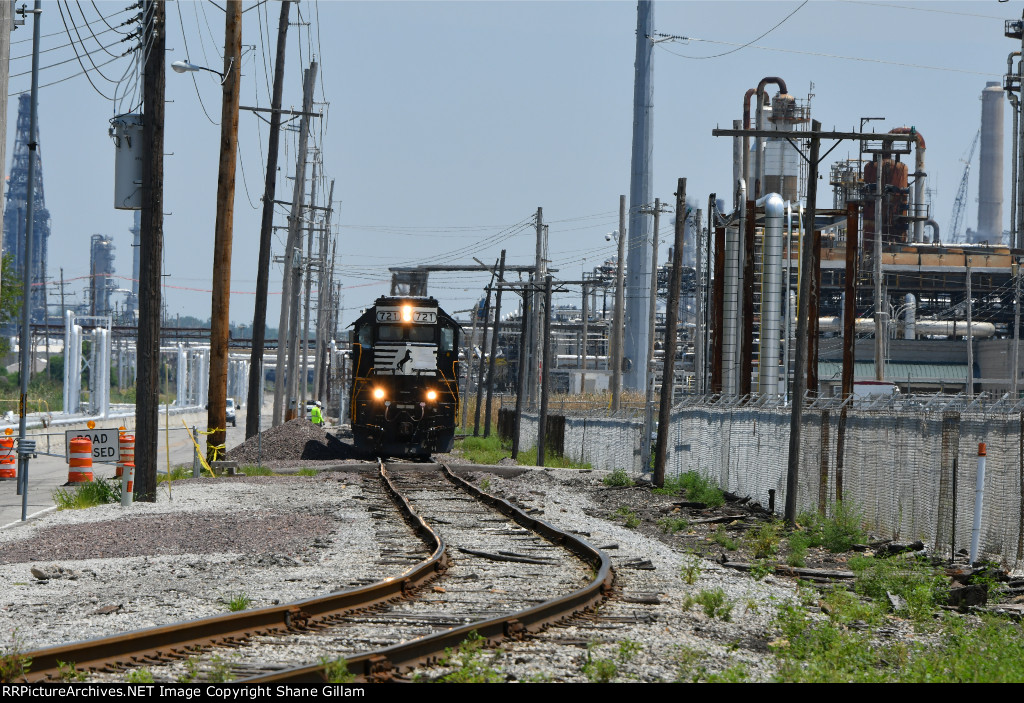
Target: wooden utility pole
(254,402)
(849,337)
(308,283)
(495,329)
(615,353)
(671,322)
(323,305)
(521,373)
(583,341)
(480,368)
(147,399)
(282,378)
(220,325)
(800,376)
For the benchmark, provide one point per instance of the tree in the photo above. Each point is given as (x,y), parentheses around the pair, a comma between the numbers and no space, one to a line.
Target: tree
(10,297)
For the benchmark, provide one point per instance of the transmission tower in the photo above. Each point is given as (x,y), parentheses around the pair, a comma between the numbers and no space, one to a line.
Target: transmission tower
(15,211)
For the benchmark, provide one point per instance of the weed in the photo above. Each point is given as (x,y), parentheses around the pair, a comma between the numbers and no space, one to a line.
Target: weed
(798,544)
(921,586)
(178,473)
(253,470)
(628,649)
(139,676)
(220,670)
(714,604)
(307,472)
(337,671)
(701,490)
(557,461)
(761,568)
(673,524)
(469,663)
(485,485)
(191,670)
(599,670)
(630,518)
(619,477)
(13,663)
(88,495)
(538,678)
(836,532)
(489,450)
(764,539)
(690,569)
(722,537)
(737,673)
(752,606)
(239,602)
(673,486)
(66,671)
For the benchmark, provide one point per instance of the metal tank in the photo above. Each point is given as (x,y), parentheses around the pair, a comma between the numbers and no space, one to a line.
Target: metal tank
(101,269)
(990,165)
(781,159)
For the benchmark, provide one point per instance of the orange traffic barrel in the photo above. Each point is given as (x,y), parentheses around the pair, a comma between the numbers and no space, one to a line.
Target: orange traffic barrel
(8,471)
(80,461)
(127,443)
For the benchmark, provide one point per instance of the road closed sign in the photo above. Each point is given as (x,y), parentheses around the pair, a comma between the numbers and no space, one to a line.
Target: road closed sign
(105,444)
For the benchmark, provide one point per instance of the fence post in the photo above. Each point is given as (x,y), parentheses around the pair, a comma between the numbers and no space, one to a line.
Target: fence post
(979,496)
(195,456)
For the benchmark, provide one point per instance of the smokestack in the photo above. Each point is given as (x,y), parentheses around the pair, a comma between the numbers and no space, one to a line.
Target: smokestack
(990,165)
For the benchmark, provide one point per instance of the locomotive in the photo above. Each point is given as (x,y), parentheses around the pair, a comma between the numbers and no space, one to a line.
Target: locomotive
(404,397)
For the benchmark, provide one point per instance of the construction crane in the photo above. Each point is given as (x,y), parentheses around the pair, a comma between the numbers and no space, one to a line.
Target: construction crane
(960,204)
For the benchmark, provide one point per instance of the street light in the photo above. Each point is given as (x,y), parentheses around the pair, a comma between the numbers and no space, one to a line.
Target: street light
(187,67)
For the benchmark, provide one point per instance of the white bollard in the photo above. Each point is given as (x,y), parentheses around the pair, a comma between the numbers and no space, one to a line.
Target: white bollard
(979,495)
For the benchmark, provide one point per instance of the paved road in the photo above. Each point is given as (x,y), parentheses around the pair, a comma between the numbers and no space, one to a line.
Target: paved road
(48,473)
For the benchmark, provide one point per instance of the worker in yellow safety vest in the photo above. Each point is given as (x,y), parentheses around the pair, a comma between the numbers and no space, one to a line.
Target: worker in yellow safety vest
(318,414)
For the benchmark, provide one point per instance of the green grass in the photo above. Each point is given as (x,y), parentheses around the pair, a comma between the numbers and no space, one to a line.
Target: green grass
(337,670)
(178,473)
(689,571)
(838,531)
(552,460)
(922,586)
(13,663)
(139,676)
(88,495)
(253,470)
(764,539)
(618,477)
(630,518)
(239,602)
(307,472)
(673,524)
(478,450)
(696,488)
(722,538)
(713,603)
(798,545)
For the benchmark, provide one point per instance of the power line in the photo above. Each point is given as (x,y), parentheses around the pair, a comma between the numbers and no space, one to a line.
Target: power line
(744,46)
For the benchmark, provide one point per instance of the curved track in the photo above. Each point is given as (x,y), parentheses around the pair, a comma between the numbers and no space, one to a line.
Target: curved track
(519,559)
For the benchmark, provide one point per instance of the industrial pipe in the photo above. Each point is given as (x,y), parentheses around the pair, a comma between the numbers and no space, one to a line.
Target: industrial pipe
(910,316)
(979,498)
(771,307)
(730,304)
(746,125)
(936,237)
(919,179)
(762,100)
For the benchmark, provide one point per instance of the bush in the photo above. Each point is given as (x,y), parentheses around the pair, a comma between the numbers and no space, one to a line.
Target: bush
(702,490)
(100,492)
(837,532)
(619,477)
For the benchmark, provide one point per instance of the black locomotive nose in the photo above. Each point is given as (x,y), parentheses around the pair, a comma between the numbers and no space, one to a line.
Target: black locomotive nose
(405,429)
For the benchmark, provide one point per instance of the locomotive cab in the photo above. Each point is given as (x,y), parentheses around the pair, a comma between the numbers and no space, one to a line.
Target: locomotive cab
(404,395)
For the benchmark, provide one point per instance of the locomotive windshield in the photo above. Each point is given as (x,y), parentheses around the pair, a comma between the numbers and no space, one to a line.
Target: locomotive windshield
(405,333)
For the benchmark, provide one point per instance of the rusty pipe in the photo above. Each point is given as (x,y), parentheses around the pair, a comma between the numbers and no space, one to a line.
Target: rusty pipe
(919,177)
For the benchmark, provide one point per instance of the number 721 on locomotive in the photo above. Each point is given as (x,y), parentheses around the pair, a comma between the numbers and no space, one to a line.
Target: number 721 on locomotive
(404,397)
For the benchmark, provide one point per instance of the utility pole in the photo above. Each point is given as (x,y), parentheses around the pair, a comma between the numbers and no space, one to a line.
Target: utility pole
(545,383)
(521,375)
(220,325)
(1015,373)
(536,350)
(671,322)
(294,221)
(480,368)
(585,314)
(495,329)
(649,365)
(308,284)
(151,242)
(323,304)
(254,402)
(880,311)
(615,354)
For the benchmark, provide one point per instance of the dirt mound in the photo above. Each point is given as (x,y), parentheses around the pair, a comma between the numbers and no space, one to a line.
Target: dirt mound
(298,439)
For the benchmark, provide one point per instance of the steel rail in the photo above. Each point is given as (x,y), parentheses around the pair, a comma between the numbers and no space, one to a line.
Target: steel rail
(382,664)
(175,640)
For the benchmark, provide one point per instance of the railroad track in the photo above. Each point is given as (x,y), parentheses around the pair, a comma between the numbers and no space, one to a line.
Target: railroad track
(490,569)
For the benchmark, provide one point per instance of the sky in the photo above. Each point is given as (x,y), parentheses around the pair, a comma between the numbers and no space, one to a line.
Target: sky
(447,124)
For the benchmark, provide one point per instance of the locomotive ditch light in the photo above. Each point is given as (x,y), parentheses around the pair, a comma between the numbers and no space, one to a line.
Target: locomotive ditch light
(406,313)
(431,395)
(378,393)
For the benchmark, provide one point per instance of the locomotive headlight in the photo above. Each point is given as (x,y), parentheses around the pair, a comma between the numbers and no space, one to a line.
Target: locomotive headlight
(378,393)
(406,313)
(431,395)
